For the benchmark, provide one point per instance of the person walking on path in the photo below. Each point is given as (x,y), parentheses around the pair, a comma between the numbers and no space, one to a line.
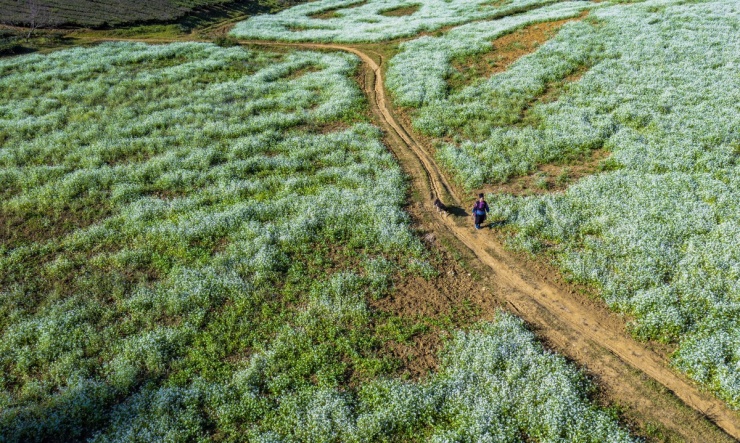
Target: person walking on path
(480,209)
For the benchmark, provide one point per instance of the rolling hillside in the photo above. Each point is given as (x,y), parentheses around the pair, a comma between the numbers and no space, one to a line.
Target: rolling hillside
(102,13)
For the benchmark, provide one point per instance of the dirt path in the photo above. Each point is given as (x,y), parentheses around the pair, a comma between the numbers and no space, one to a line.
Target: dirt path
(631,374)
(591,335)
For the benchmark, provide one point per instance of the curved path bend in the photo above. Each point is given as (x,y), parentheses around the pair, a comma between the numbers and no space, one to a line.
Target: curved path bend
(574,327)
(631,373)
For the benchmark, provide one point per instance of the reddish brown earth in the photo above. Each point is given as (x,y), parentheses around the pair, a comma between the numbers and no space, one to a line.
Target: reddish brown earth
(400,12)
(550,178)
(505,50)
(332,13)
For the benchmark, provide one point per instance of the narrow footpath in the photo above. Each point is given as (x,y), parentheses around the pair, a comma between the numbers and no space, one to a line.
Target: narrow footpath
(593,337)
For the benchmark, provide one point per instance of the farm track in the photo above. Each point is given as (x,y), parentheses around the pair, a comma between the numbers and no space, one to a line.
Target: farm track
(590,335)
(630,373)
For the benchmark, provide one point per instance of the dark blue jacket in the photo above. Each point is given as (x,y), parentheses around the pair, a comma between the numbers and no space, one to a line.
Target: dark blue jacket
(480,208)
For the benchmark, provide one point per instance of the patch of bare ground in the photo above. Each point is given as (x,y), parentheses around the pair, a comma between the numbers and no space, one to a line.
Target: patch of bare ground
(300,28)
(334,12)
(495,4)
(116,158)
(400,11)
(301,72)
(553,177)
(168,194)
(552,93)
(326,15)
(504,52)
(28,226)
(451,300)
(325,128)
(554,89)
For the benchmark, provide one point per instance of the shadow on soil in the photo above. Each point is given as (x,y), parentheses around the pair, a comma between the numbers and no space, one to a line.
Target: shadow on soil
(457,211)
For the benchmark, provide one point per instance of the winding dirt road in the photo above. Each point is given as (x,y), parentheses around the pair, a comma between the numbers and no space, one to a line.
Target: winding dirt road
(592,336)
(631,374)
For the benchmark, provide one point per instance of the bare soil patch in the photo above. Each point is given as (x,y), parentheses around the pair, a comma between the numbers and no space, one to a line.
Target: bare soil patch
(504,52)
(325,128)
(400,11)
(495,3)
(333,13)
(301,72)
(18,228)
(325,15)
(452,300)
(301,28)
(552,177)
(554,89)
(552,93)
(168,194)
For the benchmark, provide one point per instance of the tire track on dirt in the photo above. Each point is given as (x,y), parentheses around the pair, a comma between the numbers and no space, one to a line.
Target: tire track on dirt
(592,336)
(536,300)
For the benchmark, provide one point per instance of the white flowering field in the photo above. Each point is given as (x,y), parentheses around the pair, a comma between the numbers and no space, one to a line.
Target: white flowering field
(495,384)
(373,20)
(658,230)
(417,76)
(190,237)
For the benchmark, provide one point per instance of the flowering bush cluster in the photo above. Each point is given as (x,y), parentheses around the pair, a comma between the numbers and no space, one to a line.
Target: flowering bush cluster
(364,20)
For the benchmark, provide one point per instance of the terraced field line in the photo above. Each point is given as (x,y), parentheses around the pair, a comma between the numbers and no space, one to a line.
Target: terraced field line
(573,325)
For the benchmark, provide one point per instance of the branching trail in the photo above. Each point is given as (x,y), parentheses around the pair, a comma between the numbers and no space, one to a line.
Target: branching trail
(587,333)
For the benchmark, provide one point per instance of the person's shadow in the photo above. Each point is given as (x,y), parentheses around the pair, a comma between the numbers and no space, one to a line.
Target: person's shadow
(457,211)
